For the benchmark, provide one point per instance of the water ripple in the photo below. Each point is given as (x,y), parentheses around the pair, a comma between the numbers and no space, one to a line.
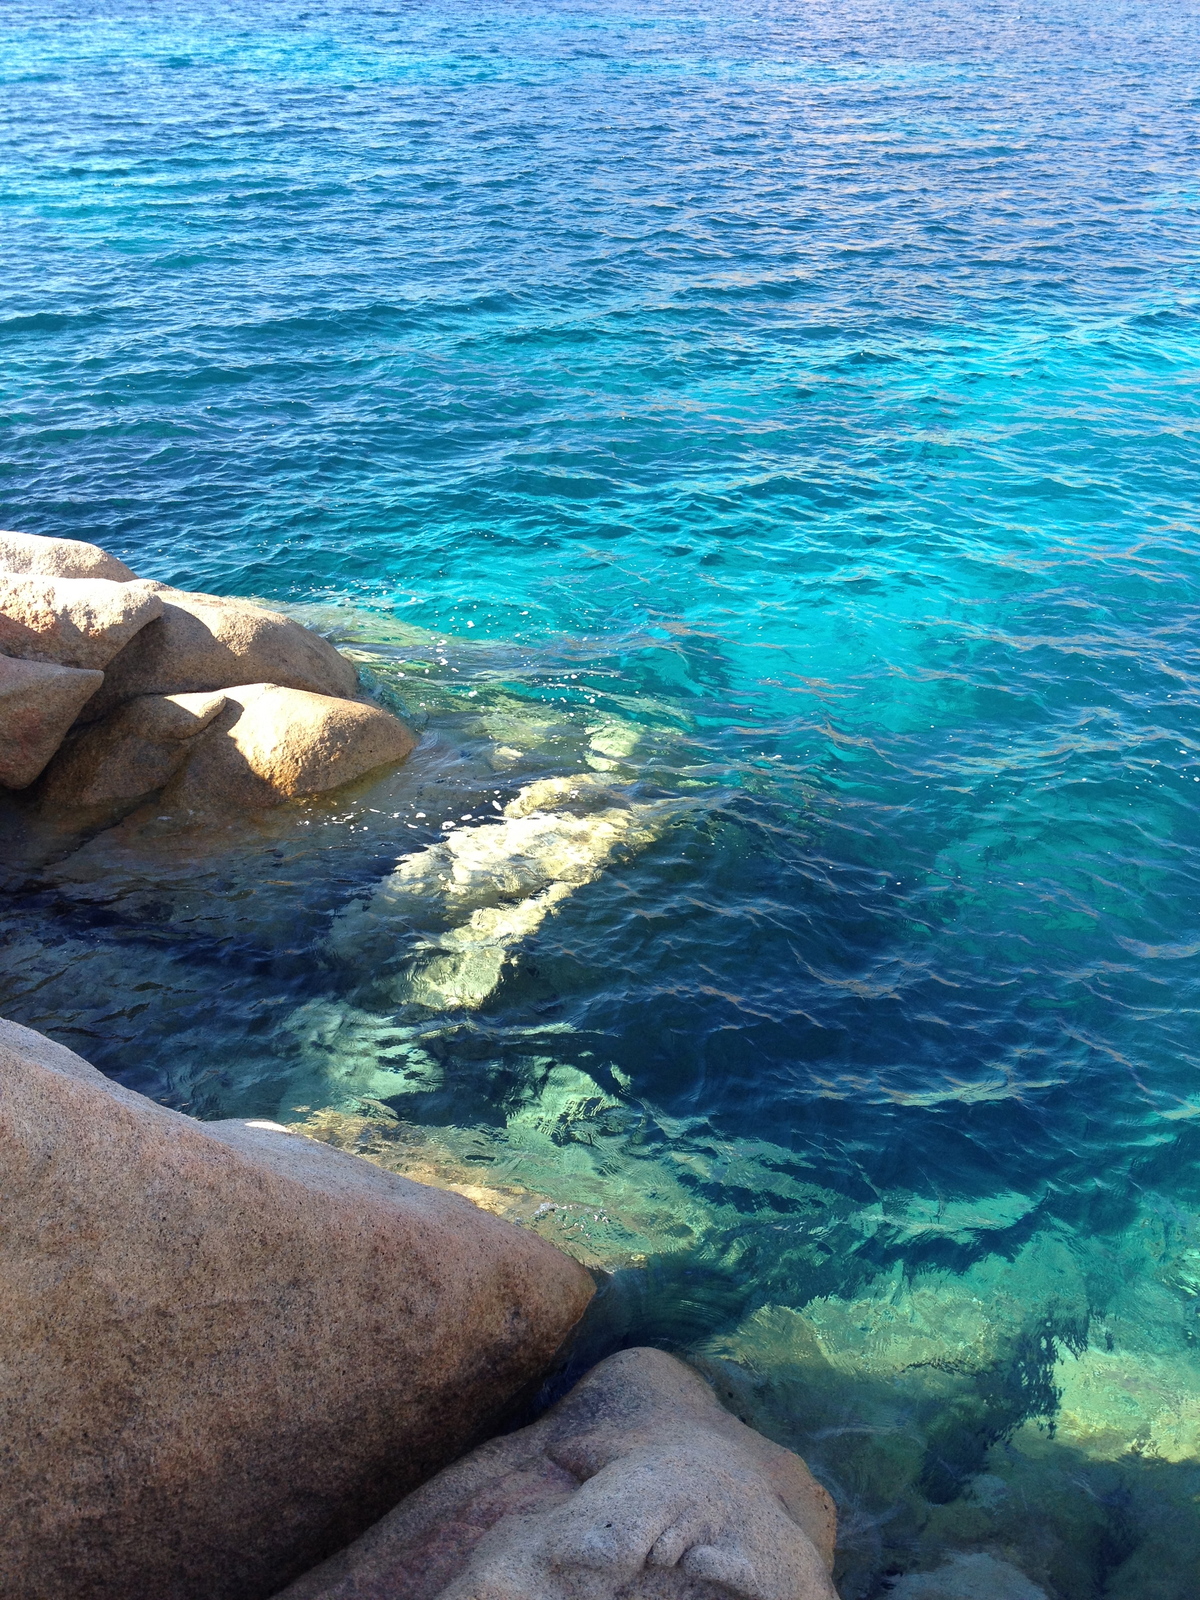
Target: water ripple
(789,416)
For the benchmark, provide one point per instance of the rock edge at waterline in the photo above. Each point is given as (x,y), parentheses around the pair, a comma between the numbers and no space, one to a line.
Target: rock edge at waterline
(227,1349)
(88,650)
(636,1486)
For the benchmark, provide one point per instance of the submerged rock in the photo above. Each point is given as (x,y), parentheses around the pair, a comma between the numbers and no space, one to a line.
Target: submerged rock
(1122,1401)
(227,1350)
(976,1576)
(495,884)
(636,1485)
(59,558)
(39,700)
(1038,1407)
(578,792)
(270,744)
(204,642)
(77,622)
(134,751)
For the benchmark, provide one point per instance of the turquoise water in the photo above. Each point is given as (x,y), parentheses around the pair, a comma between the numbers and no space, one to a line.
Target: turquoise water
(785,415)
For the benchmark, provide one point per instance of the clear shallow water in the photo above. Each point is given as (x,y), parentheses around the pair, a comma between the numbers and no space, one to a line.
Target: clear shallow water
(789,412)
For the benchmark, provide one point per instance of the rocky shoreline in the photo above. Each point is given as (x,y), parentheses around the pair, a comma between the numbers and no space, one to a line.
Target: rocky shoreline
(245,1361)
(228,1348)
(115,690)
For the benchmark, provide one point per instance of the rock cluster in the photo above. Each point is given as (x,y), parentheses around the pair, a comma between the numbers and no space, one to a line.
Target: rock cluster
(114,689)
(637,1486)
(225,1349)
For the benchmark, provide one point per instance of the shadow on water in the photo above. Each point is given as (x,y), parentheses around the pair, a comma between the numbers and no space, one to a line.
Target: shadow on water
(933,1458)
(673,1302)
(939,1454)
(936,1298)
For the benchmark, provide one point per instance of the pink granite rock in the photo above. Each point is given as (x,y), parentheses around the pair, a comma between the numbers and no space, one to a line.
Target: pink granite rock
(77,622)
(272,744)
(39,701)
(129,754)
(225,1349)
(637,1486)
(203,642)
(59,558)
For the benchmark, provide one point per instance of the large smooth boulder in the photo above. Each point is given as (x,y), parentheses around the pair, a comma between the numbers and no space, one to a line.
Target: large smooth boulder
(637,1486)
(39,701)
(225,1349)
(204,642)
(77,622)
(131,753)
(272,744)
(59,558)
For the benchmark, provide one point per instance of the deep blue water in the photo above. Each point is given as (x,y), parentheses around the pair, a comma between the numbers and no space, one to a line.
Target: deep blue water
(792,410)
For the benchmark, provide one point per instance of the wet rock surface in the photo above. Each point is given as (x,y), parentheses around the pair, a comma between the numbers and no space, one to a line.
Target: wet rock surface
(637,1484)
(226,1349)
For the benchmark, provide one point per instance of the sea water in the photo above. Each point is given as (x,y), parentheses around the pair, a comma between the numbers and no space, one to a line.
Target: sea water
(756,446)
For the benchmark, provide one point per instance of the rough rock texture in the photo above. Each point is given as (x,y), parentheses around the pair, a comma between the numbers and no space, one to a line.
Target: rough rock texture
(637,1485)
(272,744)
(225,1349)
(291,728)
(59,558)
(204,642)
(131,753)
(78,622)
(39,701)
